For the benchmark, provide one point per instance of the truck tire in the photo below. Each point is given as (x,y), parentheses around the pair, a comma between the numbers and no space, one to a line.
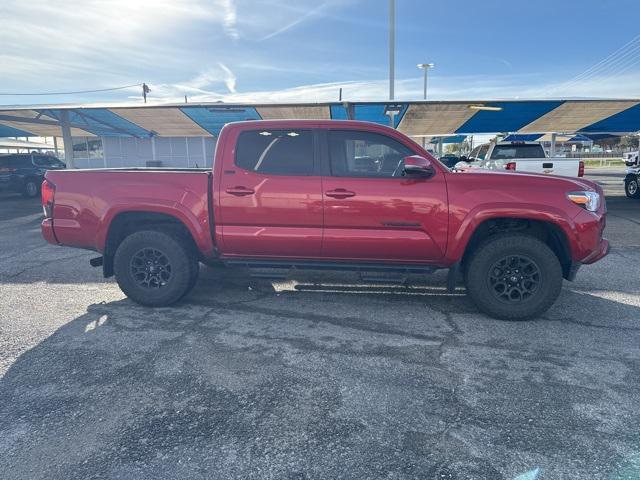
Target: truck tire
(154,268)
(31,188)
(513,276)
(195,273)
(631,187)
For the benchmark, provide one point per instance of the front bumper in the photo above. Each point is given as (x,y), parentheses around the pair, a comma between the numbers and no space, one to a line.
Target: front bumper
(599,253)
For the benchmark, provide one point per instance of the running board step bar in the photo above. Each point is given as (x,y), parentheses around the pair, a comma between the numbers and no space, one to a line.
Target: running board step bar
(365,268)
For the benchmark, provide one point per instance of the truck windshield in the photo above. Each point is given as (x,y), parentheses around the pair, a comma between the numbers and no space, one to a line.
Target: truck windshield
(509,152)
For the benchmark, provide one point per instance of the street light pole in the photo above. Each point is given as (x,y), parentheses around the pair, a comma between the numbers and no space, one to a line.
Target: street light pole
(392,47)
(425,67)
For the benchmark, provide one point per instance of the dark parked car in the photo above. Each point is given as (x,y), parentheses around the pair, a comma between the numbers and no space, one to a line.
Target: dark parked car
(24,172)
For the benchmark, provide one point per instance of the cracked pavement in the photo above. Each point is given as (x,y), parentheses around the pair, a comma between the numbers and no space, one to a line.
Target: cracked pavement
(314,376)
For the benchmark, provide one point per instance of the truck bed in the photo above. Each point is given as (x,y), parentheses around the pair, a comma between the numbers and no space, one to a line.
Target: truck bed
(87,201)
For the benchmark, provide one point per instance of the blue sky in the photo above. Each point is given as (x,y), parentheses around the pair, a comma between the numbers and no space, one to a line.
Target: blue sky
(277,50)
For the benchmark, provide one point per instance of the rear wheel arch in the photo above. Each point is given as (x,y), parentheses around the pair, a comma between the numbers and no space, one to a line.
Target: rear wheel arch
(548,232)
(126,223)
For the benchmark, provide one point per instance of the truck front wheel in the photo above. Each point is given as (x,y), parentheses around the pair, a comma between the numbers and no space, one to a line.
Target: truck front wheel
(513,277)
(631,187)
(154,268)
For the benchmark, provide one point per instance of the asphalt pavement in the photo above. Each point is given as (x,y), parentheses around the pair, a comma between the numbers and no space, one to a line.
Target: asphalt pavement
(307,378)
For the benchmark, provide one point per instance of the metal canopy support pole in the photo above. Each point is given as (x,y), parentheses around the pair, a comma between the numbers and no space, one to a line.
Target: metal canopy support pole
(552,150)
(66,138)
(55,147)
(103,144)
(153,150)
(204,153)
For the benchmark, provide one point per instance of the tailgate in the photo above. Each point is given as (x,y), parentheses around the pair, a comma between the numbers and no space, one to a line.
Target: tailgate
(567,167)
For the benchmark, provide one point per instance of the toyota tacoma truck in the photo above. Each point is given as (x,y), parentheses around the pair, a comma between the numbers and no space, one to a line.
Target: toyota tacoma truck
(524,157)
(330,195)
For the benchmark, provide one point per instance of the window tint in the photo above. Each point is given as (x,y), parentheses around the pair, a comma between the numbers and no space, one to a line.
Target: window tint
(4,162)
(46,161)
(365,154)
(276,152)
(509,152)
(482,152)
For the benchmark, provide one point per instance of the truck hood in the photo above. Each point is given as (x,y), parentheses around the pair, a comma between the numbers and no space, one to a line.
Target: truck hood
(526,178)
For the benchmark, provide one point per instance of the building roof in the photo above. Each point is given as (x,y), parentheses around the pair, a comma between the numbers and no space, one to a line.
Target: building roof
(412,118)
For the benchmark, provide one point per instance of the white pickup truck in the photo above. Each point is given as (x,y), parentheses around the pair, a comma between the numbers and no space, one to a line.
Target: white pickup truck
(523,157)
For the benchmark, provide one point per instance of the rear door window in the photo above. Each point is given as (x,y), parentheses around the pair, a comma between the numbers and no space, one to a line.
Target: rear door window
(276,152)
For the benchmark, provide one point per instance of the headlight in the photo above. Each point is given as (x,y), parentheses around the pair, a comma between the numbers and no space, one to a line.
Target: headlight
(587,200)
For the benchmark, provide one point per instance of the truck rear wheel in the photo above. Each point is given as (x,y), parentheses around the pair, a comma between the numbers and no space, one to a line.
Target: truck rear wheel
(631,188)
(154,268)
(513,277)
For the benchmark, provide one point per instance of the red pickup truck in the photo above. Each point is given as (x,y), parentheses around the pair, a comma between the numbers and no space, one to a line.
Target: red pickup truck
(330,194)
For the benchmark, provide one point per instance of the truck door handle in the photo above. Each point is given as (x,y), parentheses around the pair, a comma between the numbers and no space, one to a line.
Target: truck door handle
(340,193)
(547,165)
(240,191)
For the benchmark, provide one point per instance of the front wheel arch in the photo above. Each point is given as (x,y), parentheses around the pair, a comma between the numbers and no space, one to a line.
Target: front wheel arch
(550,234)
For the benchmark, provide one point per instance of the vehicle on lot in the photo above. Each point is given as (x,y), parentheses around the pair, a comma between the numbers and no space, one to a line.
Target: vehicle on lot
(330,195)
(449,159)
(632,180)
(523,157)
(24,172)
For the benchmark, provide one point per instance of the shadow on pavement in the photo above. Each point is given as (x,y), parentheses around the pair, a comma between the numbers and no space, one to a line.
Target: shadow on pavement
(266,385)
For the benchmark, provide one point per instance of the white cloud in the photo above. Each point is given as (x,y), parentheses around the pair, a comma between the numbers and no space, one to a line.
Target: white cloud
(473,87)
(230,78)
(303,17)
(230,17)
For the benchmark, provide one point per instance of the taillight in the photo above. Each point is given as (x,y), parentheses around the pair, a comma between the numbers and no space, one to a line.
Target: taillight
(510,166)
(48,193)
(581,169)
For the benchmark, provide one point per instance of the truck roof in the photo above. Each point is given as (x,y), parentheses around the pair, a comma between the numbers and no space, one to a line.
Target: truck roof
(322,123)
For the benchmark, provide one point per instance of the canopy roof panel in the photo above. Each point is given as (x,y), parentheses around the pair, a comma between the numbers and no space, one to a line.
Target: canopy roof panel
(510,117)
(212,119)
(434,118)
(303,112)
(412,118)
(575,116)
(165,122)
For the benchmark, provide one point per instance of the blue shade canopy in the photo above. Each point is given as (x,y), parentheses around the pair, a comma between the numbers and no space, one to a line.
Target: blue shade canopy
(582,138)
(339,112)
(212,119)
(369,112)
(594,137)
(7,131)
(511,118)
(100,121)
(449,139)
(626,121)
(417,119)
(523,137)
